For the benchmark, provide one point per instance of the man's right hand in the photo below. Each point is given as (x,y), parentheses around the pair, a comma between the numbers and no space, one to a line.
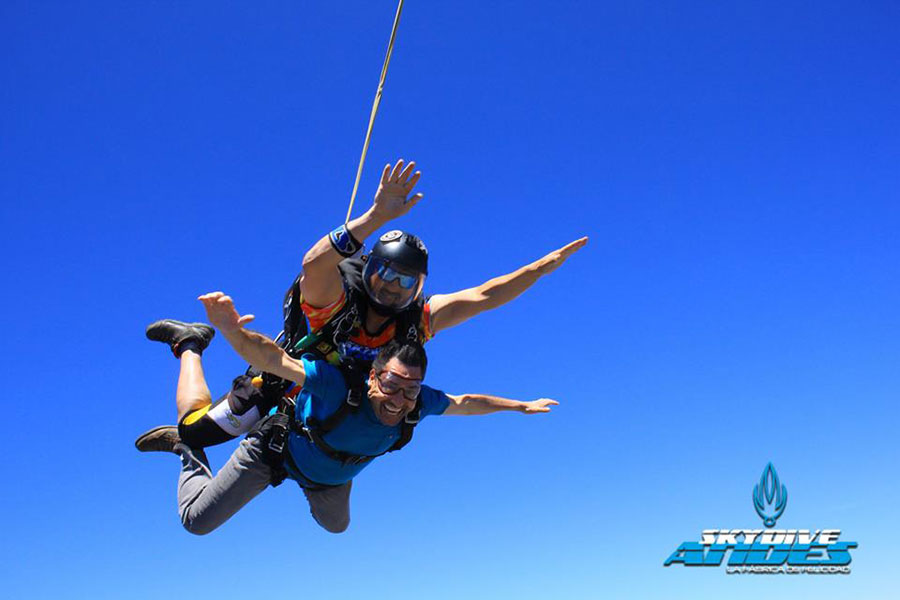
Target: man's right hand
(392,198)
(220,311)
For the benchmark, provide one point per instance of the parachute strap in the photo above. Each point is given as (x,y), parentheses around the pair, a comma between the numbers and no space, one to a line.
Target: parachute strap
(375,104)
(406,428)
(315,430)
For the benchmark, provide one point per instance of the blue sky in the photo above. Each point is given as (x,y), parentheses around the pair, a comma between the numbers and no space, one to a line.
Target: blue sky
(735,166)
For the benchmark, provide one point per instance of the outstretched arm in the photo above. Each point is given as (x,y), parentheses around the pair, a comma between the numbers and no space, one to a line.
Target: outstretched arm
(482,404)
(448,310)
(321,281)
(255,348)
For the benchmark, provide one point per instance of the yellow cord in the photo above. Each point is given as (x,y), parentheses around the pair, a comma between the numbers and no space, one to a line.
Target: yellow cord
(387,60)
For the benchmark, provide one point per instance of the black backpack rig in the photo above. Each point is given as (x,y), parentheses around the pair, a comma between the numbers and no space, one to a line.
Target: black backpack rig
(332,342)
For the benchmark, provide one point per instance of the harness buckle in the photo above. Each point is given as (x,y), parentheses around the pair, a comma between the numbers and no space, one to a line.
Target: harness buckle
(302,428)
(281,425)
(345,325)
(354,397)
(279,433)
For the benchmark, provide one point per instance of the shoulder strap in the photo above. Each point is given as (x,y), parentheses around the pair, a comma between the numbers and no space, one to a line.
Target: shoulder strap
(408,321)
(356,392)
(406,428)
(295,326)
(335,331)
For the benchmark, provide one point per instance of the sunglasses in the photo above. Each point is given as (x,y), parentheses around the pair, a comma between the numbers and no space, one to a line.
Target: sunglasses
(389,383)
(389,274)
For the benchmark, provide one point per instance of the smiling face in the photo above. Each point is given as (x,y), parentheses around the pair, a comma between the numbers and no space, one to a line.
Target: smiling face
(393,391)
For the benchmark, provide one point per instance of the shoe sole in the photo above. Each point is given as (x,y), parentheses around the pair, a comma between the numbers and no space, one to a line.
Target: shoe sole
(146,434)
(163,335)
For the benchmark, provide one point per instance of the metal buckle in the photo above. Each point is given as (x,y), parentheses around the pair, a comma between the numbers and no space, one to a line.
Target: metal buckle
(305,431)
(346,324)
(276,444)
(354,398)
(281,425)
(279,433)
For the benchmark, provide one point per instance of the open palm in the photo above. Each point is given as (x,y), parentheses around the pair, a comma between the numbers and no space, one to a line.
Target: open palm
(393,199)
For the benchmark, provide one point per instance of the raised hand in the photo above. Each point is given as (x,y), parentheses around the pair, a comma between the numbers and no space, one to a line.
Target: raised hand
(220,311)
(553,260)
(393,199)
(541,405)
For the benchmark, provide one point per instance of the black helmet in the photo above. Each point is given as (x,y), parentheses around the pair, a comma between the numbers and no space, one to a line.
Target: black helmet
(395,271)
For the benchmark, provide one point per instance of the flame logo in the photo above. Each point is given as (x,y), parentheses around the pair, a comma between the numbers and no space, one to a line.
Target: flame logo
(769,490)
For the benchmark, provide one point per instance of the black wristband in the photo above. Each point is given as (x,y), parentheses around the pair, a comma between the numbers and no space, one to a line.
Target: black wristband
(343,242)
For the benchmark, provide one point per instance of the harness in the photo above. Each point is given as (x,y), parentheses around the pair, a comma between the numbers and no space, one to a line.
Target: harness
(314,430)
(332,341)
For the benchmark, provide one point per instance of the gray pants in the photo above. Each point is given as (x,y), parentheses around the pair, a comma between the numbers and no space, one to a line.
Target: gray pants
(205,502)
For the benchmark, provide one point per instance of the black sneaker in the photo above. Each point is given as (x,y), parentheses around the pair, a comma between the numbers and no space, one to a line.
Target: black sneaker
(181,335)
(158,439)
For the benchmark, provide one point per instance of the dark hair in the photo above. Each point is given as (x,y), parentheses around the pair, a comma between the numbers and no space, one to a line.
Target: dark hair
(410,353)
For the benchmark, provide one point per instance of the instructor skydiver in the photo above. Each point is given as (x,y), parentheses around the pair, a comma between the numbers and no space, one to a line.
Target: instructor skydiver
(353,307)
(338,427)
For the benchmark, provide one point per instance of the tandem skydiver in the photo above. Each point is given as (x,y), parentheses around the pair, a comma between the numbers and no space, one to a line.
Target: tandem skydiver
(338,426)
(353,306)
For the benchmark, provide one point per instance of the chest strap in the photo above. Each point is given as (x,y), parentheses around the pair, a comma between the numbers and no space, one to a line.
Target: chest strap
(315,434)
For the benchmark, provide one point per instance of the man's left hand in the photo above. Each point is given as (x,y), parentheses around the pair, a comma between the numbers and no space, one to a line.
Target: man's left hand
(553,260)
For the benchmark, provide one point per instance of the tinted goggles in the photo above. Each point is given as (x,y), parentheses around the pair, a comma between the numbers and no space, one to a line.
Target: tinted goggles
(388,274)
(390,384)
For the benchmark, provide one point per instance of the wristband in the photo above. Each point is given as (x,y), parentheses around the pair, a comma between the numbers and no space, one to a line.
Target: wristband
(343,242)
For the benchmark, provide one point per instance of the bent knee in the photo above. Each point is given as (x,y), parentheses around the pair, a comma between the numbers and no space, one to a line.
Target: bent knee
(335,526)
(198,526)
(199,430)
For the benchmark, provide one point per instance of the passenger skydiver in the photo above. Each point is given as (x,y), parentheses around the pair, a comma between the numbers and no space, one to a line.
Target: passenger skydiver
(339,424)
(353,306)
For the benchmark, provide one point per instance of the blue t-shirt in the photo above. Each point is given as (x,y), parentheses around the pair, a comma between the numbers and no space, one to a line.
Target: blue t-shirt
(324,390)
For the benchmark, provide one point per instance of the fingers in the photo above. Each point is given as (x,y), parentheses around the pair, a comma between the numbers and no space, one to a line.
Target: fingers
(395,174)
(542,405)
(214,300)
(413,180)
(245,319)
(415,200)
(558,257)
(573,246)
(404,175)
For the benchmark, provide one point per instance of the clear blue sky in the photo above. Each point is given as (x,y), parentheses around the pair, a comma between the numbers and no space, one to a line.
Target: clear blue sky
(735,165)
